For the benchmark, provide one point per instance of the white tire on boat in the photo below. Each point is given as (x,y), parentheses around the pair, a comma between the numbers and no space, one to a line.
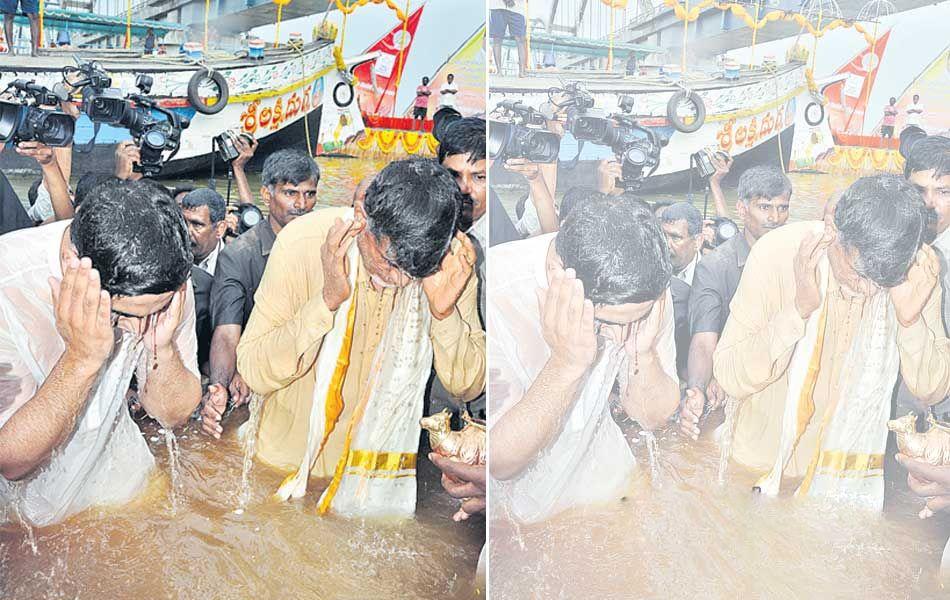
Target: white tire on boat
(672,113)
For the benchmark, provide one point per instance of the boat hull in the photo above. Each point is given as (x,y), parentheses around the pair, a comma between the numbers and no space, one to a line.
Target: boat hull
(744,119)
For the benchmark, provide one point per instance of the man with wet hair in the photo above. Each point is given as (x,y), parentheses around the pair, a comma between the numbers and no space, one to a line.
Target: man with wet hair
(825,317)
(573,313)
(317,290)
(764,196)
(86,303)
(289,182)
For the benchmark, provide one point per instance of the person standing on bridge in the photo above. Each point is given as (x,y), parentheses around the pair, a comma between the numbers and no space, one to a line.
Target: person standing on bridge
(31,9)
(508,16)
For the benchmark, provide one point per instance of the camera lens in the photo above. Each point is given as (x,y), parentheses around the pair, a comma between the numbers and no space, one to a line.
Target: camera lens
(10,116)
(442,119)
(53,128)
(155,139)
(498,136)
(636,155)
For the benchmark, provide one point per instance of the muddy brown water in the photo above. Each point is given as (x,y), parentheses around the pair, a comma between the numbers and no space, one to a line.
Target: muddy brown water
(682,535)
(204,549)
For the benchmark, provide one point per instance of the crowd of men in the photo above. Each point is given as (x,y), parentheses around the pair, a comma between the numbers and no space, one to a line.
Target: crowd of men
(603,304)
(122,294)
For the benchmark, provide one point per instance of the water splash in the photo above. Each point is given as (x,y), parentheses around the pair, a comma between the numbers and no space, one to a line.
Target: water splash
(725,442)
(171,444)
(17,500)
(250,440)
(649,438)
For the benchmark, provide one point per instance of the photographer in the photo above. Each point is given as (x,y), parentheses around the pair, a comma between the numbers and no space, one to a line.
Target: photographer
(764,195)
(12,214)
(289,190)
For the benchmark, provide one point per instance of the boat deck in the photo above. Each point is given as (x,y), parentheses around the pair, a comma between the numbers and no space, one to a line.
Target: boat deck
(133,60)
(541,81)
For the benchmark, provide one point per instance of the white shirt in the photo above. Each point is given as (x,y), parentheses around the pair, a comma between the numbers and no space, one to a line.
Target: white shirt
(210,262)
(598,465)
(518,6)
(448,99)
(106,460)
(42,209)
(915,118)
(687,273)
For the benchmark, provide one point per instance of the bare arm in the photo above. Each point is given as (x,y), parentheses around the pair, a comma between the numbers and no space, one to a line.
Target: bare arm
(652,396)
(45,422)
(52,177)
(715,184)
(699,369)
(169,390)
(224,343)
(245,153)
(532,424)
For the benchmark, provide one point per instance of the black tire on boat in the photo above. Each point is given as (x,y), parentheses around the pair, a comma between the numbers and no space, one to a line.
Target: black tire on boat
(348,98)
(674,103)
(196,100)
(808,114)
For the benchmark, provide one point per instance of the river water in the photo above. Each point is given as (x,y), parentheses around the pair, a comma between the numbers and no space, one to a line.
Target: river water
(680,534)
(207,548)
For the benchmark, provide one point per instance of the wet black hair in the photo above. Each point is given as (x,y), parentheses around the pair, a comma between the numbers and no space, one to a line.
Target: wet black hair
(290,165)
(415,204)
(464,136)
(206,197)
(617,249)
(136,238)
(884,219)
(929,153)
(574,197)
(88,183)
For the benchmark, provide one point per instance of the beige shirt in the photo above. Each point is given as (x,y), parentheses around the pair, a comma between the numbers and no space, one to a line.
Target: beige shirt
(279,347)
(752,358)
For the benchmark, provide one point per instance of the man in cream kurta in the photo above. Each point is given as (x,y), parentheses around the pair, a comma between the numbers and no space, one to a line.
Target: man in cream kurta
(290,319)
(752,359)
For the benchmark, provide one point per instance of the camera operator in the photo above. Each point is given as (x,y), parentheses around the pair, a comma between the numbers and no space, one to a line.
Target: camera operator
(289,190)
(12,214)
(246,149)
(764,195)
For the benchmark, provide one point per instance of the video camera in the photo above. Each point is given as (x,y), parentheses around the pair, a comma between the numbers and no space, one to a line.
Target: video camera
(226,144)
(636,147)
(442,120)
(22,120)
(522,135)
(703,161)
(135,112)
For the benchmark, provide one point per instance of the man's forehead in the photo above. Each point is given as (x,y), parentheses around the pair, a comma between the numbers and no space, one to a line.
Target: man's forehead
(197,213)
(460,163)
(929,178)
(308,184)
(674,226)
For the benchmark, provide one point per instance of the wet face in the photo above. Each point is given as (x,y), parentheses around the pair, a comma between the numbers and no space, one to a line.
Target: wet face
(290,200)
(762,215)
(382,269)
(135,313)
(683,247)
(204,234)
(936,193)
(471,179)
(843,262)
